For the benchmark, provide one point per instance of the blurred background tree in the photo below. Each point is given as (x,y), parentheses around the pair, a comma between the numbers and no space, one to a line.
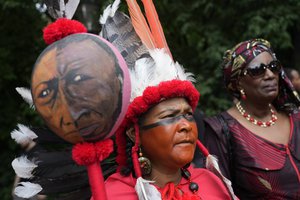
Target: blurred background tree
(198,32)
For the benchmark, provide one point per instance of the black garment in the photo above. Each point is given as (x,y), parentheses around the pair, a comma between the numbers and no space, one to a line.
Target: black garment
(199,159)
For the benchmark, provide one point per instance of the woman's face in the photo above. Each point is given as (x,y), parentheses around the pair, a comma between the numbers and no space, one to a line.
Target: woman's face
(263,87)
(168,134)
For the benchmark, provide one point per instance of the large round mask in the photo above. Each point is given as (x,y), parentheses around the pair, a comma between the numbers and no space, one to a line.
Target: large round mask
(81,88)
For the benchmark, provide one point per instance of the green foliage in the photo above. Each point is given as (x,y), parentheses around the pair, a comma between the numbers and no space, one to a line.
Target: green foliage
(198,32)
(20,44)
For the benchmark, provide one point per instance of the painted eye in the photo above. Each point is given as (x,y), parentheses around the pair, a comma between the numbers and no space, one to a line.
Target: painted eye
(45,93)
(77,78)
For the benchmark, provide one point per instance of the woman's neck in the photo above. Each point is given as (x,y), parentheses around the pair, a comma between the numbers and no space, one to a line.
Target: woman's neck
(161,178)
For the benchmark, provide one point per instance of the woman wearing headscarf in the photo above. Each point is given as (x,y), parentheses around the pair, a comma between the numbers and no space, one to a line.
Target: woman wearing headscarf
(257,141)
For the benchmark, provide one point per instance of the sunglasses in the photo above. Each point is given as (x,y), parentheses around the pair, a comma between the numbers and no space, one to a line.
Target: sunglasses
(259,71)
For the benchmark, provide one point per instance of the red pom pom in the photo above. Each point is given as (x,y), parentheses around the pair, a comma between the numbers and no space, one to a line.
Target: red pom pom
(62,28)
(104,149)
(84,153)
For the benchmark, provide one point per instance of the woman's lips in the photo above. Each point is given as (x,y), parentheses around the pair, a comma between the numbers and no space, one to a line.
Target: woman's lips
(273,87)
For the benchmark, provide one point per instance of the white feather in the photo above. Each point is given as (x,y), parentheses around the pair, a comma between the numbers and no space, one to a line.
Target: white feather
(23,167)
(70,8)
(146,191)
(26,95)
(27,189)
(109,11)
(155,69)
(24,135)
(212,165)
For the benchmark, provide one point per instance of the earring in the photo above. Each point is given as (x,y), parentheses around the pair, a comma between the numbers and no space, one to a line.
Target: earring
(243,95)
(145,164)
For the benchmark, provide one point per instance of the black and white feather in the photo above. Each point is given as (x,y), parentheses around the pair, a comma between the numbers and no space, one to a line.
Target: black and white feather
(48,169)
(61,8)
(118,30)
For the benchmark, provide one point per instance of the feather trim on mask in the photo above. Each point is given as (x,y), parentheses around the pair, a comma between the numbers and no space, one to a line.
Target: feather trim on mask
(23,167)
(109,11)
(24,135)
(61,8)
(26,95)
(27,189)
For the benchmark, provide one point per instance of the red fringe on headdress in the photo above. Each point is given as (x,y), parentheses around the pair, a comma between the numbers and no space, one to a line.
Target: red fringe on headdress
(62,28)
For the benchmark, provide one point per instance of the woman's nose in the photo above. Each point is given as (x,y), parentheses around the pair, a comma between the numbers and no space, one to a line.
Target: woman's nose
(269,73)
(184,125)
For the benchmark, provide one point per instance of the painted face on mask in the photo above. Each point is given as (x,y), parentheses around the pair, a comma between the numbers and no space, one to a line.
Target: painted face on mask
(77,89)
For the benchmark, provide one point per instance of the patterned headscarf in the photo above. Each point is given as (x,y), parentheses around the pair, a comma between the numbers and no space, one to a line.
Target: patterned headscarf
(237,58)
(235,61)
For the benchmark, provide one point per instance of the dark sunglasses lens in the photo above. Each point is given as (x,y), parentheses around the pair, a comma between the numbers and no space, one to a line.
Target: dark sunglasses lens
(256,71)
(275,66)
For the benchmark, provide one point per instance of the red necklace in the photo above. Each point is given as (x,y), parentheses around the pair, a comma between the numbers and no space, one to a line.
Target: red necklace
(254,121)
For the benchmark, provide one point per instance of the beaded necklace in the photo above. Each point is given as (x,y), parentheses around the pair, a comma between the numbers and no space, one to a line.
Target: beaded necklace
(249,118)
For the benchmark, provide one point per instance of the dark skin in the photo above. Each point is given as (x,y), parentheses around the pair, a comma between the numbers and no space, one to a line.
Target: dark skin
(75,89)
(260,93)
(170,144)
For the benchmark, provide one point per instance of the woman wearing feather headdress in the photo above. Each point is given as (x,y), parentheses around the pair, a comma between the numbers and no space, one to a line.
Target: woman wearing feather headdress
(157,139)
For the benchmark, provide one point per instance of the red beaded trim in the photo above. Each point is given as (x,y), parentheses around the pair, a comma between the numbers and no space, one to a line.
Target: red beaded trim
(254,121)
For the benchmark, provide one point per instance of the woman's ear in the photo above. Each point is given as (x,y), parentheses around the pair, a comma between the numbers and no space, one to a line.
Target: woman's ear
(130,132)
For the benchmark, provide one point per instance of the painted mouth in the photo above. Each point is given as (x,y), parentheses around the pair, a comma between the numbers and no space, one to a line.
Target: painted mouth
(91,131)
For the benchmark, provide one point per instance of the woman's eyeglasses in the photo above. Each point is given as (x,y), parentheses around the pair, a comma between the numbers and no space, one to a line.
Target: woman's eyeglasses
(258,71)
